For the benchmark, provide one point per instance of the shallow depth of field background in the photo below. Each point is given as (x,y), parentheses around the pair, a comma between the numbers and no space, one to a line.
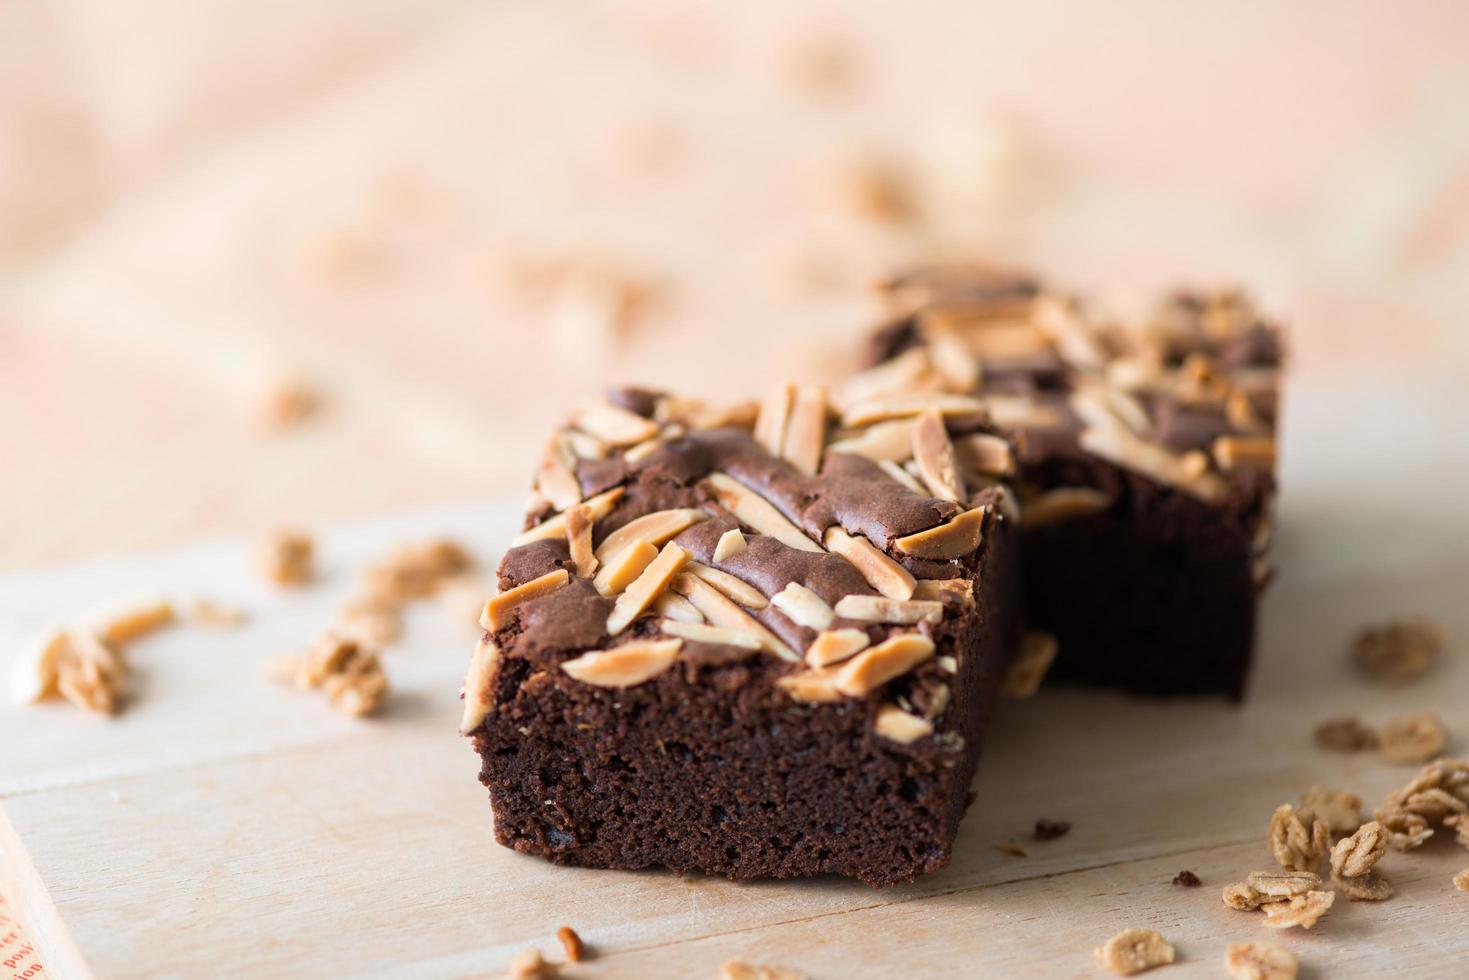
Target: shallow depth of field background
(279,261)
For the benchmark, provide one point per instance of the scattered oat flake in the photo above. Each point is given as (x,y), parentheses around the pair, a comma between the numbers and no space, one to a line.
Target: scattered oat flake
(576,950)
(1012,848)
(1051,829)
(1260,961)
(1341,811)
(1414,738)
(1187,879)
(1399,650)
(1461,880)
(1346,735)
(1301,910)
(740,970)
(1373,886)
(1135,950)
(287,557)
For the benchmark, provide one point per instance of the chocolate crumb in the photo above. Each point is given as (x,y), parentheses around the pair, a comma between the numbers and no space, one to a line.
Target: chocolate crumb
(1187,879)
(1051,829)
(576,950)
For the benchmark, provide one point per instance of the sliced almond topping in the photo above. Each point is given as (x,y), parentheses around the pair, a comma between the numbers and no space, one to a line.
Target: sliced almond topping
(952,539)
(579,540)
(624,567)
(775,412)
(881,609)
(1075,340)
(640,452)
(906,405)
(730,543)
(1244,453)
(901,475)
(900,373)
(655,528)
(646,587)
(961,589)
(33,676)
(954,362)
(720,610)
(1023,677)
(986,454)
(704,633)
(755,511)
(736,588)
(803,607)
(880,571)
(934,454)
(877,665)
(128,623)
(671,605)
(900,726)
(1240,413)
(1150,459)
(834,646)
(556,476)
(948,664)
(583,446)
(477,696)
(805,433)
(815,686)
(613,425)
(1022,412)
(497,609)
(554,527)
(624,666)
(885,441)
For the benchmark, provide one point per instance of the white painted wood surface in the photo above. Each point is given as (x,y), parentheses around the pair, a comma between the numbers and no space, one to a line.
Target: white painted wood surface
(226,825)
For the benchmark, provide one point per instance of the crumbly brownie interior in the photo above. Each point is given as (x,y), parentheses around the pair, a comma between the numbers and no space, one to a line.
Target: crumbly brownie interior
(715,764)
(1145,464)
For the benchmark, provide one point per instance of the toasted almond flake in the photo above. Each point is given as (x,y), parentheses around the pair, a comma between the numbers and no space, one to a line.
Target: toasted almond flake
(583,446)
(901,475)
(704,633)
(1089,403)
(881,572)
(1063,504)
(953,539)
(129,622)
(1135,950)
(576,950)
(1075,340)
(34,673)
(529,964)
(1024,676)
(900,726)
(1414,738)
(618,572)
(1260,961)
(730,543)
(986,454)
(775,412)
(906,405)
(1013,849)
(613,425)
(626,665)
(890,442)
(1302,910)
(1233,453)
(497,609)
(948,664)
(1240,413)
(877,665)
(477,695)
(720,610)
(813,686)
(736,588)
(694,413)
(805,433)
(671,605)
(755,511)
(286,557)
(960,589)
(350,674)
(579,540)
(934,454)
(555,527)
(954,362)
(834,646)
(1373,886)
(556,475)
(655,528)
(880,609)
(646,448)
(646,587)
(1150,459)
(803,607)
(1022,412)
(898,374)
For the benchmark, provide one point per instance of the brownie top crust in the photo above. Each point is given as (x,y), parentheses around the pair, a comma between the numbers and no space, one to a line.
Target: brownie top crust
(664,532)
(1183,390)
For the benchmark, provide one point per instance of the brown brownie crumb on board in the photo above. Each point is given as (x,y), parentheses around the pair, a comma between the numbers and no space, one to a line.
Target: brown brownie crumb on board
(1187,879)
(817,682)
(1051,829)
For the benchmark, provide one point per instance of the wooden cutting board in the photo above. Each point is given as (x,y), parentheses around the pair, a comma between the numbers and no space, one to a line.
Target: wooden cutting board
(227,825)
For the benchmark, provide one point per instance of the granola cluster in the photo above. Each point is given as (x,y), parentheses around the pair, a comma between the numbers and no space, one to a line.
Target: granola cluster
(347,672)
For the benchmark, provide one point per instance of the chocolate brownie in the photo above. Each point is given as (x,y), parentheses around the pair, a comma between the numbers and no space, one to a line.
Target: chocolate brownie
(1145,464)
(727,644)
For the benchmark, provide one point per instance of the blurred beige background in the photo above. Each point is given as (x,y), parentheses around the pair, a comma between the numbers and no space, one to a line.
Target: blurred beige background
(294,262)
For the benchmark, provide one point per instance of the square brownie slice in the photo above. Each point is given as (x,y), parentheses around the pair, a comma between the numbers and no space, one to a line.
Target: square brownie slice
(1145,463)
(725,644)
